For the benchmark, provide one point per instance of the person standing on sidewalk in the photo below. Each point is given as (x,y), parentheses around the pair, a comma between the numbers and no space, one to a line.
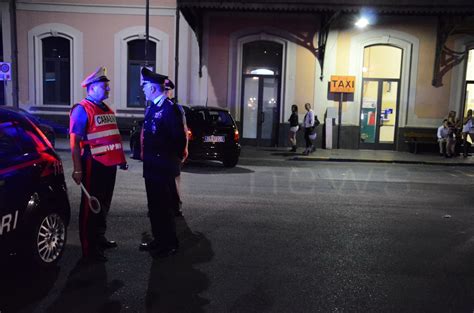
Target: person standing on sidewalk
(467,130)
(308,125)
(96,148)
(163,145)
(294,126)
(453,134)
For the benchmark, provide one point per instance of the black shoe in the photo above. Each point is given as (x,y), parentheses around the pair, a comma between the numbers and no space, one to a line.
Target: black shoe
(108,244)
(149,246)
(293,149)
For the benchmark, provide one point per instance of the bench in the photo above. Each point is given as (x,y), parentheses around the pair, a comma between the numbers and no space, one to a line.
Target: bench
(414,139)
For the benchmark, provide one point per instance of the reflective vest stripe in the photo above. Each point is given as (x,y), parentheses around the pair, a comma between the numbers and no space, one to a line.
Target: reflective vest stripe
(104,133)
(105,148)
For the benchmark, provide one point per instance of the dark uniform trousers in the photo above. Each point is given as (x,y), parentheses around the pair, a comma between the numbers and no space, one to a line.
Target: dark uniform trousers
(99,181)
(160,191)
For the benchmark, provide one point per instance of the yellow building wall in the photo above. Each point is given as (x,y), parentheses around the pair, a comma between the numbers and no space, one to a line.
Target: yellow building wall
(430,102)
(304,78)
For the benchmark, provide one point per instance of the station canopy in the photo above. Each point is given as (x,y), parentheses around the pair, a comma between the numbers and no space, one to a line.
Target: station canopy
(416,7)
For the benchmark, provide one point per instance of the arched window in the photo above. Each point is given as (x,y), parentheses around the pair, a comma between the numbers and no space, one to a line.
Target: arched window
(136,60)
(129,55)
(56,68)
(262,58)
(56,73)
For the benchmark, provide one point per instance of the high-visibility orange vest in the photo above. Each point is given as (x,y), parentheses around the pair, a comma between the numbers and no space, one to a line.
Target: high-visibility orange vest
(103,135)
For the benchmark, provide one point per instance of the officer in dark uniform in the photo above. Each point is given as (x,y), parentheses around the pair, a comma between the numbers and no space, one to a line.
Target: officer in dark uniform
(163,145)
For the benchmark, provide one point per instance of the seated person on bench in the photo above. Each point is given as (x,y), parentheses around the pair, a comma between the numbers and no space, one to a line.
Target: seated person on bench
(443,137)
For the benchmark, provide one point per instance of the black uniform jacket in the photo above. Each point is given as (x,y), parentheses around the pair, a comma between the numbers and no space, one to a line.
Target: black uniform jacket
(164,140)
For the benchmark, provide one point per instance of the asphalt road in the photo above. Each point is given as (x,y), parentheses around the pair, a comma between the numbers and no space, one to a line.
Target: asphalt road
(276,236)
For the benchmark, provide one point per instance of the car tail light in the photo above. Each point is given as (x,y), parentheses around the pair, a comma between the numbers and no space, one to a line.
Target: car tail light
(236,135)
(190,135)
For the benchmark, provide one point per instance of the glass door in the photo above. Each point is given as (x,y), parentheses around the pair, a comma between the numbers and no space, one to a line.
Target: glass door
(378,117)
(261,108)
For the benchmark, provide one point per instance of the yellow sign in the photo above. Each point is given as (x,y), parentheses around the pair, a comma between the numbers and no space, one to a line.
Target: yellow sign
(342,84)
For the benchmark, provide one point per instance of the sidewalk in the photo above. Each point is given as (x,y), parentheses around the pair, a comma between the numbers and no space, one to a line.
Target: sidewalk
(345,155)
(335,155)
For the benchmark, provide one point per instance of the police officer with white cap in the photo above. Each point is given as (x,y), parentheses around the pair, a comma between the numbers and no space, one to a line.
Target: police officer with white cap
(163,144)
(96,147)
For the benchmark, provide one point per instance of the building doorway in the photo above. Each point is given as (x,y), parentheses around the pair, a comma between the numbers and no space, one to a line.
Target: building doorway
(378,118)
(261,81)
(380,97)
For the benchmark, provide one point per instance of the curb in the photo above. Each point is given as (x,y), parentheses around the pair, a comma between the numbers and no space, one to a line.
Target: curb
(328,159)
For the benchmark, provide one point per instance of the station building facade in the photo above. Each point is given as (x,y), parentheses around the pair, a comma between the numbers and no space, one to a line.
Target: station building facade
(412,64)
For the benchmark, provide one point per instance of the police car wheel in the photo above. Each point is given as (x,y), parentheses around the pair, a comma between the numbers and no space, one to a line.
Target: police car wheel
(49,239)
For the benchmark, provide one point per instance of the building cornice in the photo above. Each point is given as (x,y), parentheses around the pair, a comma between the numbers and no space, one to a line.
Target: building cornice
(94,8)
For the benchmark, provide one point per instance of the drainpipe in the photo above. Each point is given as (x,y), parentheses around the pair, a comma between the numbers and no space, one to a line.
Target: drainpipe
(176,54)
(14,54)
(147,30)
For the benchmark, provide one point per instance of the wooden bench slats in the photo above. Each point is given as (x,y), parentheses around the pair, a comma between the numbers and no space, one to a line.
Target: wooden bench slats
(416,138)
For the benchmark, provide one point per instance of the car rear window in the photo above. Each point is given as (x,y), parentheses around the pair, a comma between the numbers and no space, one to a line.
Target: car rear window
(9,143)
(211,117)
(16,139)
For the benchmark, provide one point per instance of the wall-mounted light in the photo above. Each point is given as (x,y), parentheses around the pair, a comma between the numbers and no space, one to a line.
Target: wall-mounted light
(262,71)
(362,22)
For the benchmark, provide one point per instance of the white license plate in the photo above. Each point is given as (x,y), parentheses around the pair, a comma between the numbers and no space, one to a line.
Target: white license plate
(214,139)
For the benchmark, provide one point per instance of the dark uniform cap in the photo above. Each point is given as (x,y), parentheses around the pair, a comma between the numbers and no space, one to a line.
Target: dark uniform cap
(169,84)
(152,77)
(99,75)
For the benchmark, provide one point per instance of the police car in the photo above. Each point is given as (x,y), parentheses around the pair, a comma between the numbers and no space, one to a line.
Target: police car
(34,205)
(48,127)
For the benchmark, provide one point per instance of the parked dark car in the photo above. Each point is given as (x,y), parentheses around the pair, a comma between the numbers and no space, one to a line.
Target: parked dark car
(212,134)
(34,205)
(49,128)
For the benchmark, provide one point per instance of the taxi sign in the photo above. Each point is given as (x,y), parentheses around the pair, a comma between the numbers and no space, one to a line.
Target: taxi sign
(5,71)
(342,84)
